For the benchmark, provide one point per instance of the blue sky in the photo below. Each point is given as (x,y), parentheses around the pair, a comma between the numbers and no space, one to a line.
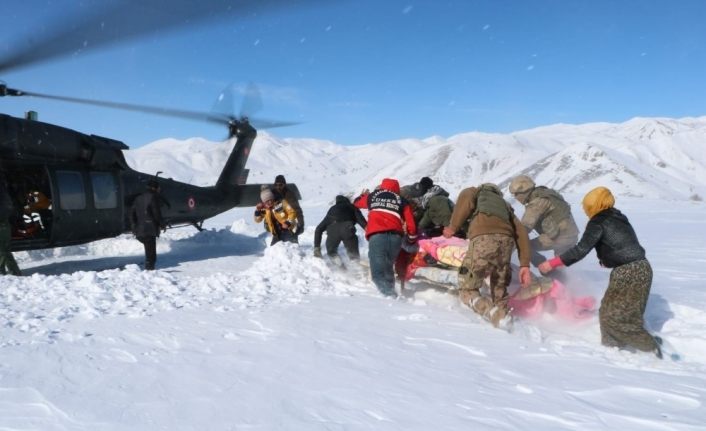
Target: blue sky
(356,72)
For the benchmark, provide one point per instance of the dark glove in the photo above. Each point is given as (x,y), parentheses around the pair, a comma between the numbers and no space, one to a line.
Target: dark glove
(409,244)
(317,252)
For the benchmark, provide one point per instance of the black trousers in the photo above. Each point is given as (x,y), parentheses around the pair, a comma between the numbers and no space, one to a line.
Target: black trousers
(342,232)
(150,243)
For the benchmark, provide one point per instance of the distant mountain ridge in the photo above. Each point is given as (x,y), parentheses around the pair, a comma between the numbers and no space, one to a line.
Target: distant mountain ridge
(657,158)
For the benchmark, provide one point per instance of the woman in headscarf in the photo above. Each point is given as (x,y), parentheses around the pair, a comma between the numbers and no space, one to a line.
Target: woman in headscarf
(623,305)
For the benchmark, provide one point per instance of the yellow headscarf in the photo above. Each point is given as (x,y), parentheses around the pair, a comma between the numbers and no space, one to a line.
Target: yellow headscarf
(597,200)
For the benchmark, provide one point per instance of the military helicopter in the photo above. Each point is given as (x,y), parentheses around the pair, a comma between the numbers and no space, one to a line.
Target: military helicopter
(75,188)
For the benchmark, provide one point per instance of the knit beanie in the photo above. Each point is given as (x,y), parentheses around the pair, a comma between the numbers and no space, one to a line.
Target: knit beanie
(597,200)
(280,179)
(267,195)
(426,183)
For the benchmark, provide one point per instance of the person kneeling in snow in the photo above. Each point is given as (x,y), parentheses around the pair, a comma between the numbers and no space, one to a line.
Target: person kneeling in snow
(623,306)
(279,217)
(339,225)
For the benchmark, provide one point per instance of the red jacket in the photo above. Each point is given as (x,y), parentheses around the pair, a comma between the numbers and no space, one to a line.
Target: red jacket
(387,211)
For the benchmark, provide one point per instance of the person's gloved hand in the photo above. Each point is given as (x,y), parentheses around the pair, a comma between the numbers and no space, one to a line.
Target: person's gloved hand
(409,244)
(317,252)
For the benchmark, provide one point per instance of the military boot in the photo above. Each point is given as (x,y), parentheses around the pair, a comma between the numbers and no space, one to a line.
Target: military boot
(500,317)
(473,299)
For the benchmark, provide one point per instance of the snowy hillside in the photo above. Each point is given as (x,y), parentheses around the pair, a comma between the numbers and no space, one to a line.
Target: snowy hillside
(644,157)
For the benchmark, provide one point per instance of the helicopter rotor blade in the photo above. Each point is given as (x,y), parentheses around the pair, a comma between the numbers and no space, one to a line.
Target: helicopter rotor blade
(252,101)
(263,123)
(210,117)
(125,20)
(168,112)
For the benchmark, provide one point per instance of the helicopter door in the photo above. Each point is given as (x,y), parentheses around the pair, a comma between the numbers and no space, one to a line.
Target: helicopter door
(30,191)
(107,203)
(73,221)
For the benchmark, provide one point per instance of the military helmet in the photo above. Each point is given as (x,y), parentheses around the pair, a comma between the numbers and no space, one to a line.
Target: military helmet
(521,184)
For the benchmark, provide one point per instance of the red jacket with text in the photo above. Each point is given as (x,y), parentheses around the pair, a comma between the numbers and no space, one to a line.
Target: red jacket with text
(387,210)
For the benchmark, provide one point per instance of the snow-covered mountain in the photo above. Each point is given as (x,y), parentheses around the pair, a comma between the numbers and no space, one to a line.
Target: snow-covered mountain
(656,158)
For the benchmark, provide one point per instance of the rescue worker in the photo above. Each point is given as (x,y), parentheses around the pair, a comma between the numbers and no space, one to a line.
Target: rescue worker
(8,217)
(416,190)
(621,314)
(548,214)
(494,232)
(279,217)
(283,192)
(339,225)
(412,194)
(389,217)
(146,221)
(437,209)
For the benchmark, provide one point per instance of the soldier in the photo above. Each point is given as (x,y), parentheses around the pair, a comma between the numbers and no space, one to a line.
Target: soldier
(146,220)
(494,232)
(623,305)
(549,214)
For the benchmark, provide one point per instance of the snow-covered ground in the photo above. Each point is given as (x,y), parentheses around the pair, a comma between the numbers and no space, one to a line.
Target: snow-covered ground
(230,334)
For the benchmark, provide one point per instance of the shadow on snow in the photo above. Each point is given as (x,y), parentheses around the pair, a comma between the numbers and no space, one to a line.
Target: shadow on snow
(203,245)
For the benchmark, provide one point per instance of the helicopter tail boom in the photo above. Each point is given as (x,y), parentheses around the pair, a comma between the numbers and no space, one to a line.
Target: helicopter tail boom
(234,172)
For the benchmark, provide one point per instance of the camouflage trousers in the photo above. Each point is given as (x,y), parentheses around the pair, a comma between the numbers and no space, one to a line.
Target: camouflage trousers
(623,307)
(487,256)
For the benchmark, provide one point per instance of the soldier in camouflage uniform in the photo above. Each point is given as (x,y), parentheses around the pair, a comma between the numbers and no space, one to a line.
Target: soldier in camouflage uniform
(494,232)
(623,305)
(549,214)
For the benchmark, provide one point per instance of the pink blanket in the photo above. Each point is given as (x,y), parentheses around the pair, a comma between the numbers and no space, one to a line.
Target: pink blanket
(558,301)
(529,304)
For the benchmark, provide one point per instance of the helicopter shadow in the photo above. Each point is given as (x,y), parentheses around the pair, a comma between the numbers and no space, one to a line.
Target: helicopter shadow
(204,245)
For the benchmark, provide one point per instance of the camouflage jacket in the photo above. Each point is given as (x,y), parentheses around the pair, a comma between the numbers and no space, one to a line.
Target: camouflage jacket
(550,215)
(483,224)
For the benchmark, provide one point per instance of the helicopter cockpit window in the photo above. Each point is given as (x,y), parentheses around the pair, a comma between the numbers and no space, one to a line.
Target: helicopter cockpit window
(72,194)
(105,190)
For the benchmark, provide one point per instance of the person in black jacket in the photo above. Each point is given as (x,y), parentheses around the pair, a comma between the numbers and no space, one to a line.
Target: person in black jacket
(146,221)
(339,225)
(7,218)
(623,305)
